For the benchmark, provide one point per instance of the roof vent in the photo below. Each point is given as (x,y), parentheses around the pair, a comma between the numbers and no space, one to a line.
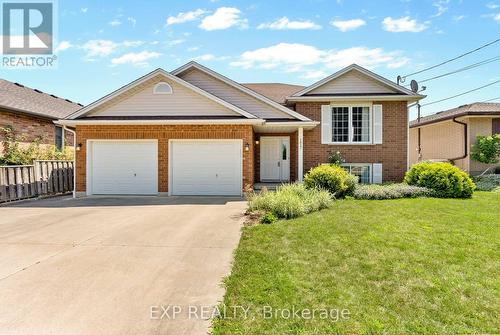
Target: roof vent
(17,84)
(37,91)
(54,96)
(68,100)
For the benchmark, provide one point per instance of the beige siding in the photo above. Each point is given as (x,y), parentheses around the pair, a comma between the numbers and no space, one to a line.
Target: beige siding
(142,102)
(232,95)
(352,82)
(478,126)
(440,141)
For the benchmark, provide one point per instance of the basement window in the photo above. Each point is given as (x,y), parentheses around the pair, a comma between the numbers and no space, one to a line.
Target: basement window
(162,88)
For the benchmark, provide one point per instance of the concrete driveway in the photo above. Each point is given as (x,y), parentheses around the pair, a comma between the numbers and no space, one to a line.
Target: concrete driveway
(114,265)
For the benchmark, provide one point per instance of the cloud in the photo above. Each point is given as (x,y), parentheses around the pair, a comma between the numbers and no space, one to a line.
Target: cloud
(497,18)
(314,74)
(132,44)
(135,58)
(185,17)
(492,5)
(132,20)
(176,42)
(284,24)
(295,57)
(403,24)
(442,7)
(63,45)
(459,17)
(347,25)
(115,23)
(210,57)
(193,48)
(84,10)
(99,48)
(223,18)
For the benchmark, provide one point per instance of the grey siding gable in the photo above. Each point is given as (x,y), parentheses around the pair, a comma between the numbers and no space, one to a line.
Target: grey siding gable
(352,82)
(232,95)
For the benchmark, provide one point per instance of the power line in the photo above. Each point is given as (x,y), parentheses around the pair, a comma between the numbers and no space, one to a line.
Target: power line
(491,99)
(451,60)
(473,90)
(465,68)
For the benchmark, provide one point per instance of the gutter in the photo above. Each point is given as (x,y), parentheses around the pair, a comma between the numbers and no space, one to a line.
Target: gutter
(67,122)
(465,141)
(74,158)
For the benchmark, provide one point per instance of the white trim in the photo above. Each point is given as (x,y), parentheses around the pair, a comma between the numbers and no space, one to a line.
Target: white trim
(150,75)
(341,98)
(240,87)
(88,162)
(157,122)
(170,151)
(360,69)
(74,160)
(350,136)
(300,156)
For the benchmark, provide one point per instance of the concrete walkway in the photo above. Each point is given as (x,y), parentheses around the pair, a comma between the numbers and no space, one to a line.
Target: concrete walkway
(113,265)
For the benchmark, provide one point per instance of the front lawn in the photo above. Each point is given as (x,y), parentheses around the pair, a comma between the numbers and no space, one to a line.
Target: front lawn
(406,266)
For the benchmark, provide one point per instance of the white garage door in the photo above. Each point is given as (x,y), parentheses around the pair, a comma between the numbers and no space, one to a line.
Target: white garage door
(123,167)
(206,167)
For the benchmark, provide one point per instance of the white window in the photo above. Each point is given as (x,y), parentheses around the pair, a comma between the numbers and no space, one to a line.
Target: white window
(351,123)
(362,171)
(162,88)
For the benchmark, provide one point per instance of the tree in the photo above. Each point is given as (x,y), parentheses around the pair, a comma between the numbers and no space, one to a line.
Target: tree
(487,149)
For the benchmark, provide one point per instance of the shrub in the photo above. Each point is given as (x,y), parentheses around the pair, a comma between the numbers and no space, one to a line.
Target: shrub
(290,201)
(444,179)
(331,178)
(488,182)
(335,158)
(268,218)
(487,149)
(390,191)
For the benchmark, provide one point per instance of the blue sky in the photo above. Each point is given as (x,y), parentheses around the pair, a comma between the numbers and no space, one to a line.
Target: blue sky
(103,45)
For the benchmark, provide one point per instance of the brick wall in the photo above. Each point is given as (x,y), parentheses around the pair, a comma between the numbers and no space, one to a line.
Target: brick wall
(163,133)
(30,128)
(392,153)
(293,154)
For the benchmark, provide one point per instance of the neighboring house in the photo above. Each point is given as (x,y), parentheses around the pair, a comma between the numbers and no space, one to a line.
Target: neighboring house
(449,135)
(30,113)
(193,131)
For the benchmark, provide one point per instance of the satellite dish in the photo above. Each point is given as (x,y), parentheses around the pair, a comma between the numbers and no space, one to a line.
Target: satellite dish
(414,86)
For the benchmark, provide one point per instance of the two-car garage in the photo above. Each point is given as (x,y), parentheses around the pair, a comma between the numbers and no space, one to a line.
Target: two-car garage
(195,167)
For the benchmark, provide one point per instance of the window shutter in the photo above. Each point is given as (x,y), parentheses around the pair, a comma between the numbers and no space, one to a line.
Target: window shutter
(377,173)
(377,124)
(326,124)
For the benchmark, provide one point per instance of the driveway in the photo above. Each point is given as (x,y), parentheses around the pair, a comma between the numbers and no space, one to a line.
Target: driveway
(114,265)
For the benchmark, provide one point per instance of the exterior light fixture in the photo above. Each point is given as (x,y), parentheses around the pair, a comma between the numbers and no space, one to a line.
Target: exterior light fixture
(257,142)
(247,147)
(78,147)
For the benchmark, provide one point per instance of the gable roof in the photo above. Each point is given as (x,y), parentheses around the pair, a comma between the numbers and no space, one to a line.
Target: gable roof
(240,87)
(19,98)
(476,108)
(157,72)
(354,67)
(277,92)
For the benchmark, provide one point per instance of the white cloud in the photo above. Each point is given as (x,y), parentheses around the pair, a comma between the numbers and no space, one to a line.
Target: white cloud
(295,57)
(314,74)
(492,5)
(185,16)
(442,7)
(193,48)
(132,20)
(63,45)
(284,23)
(99,48)
(135,58)
(210,57)
(115,23)
(84,10)
(459,17)
(223,18)
(346,25)
(176,42)
(132,44)
(403,24)
(497,17)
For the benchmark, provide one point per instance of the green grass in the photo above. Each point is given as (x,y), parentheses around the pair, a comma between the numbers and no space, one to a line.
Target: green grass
(405,266)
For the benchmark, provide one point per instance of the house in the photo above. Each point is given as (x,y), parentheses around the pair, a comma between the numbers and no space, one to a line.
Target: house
(30,114)
(449,135)
(193,131)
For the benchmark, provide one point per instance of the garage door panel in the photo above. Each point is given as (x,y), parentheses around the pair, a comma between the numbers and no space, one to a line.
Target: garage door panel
(206,167)
(124,167)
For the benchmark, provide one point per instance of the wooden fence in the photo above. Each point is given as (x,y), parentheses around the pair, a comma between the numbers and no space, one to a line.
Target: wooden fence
(41,178)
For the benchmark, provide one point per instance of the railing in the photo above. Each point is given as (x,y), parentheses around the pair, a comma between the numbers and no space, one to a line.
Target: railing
(42,178)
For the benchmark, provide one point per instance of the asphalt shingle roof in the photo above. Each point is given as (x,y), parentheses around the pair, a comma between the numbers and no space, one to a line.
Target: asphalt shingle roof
(476,108)
(275,91)
(17,97)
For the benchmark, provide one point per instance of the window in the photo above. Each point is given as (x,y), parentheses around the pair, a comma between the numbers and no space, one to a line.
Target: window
(362,171)
(351,124)
(162,88)
(58,138)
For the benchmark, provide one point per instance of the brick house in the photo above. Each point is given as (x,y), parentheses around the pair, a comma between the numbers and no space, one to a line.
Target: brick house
(30,114)
(193,131)
(449,135)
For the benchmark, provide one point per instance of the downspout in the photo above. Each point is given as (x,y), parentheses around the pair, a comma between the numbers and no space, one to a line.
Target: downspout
(419,146)
(74,159)
(465,142)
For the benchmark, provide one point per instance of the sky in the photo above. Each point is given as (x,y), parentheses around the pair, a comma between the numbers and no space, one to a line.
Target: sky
(103,45)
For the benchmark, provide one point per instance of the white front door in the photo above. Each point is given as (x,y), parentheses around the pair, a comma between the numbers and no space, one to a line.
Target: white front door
(274,158)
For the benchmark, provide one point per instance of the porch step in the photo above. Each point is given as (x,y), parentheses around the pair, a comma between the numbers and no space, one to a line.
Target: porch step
(269,186)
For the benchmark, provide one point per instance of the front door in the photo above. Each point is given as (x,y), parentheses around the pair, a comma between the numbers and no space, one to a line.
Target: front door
(274,159)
